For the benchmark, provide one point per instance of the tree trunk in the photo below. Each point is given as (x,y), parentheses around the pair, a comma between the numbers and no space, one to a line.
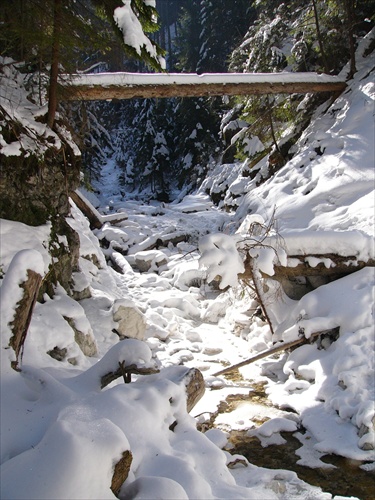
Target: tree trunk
(319,36)
(194,386)
(341,266)
(55,58)
(78,90)
(87,210)
(272,128)
(349,11)
(96,219)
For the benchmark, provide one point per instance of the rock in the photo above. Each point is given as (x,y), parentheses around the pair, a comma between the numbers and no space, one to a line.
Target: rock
(130,321)
(58,353)
(38,194)
(81,286)
(150,260)
(82,294)
(212,351)
(85,341)
(367,436)
(64,250)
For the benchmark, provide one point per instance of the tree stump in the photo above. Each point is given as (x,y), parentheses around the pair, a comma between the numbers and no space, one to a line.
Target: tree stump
(194,386)
(121,472)
(23,313)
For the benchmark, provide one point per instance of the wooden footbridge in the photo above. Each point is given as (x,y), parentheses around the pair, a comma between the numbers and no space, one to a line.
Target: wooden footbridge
(107,86)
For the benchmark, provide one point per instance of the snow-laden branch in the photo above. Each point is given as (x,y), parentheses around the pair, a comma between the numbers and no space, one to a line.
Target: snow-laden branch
(134,36)
(220,256)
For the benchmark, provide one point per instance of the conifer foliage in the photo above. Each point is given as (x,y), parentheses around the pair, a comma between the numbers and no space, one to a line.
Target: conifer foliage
(163,146)
(171,144)
(50,37)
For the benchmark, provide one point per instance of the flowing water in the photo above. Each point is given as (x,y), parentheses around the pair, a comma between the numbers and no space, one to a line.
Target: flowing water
(346,478)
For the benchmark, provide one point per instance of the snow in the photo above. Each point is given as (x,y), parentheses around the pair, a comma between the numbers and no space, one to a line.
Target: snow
(62,434)
(216,250)
(134,36)
(35,137)
(123,78)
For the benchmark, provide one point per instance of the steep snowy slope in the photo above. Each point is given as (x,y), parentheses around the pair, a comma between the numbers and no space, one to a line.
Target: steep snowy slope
(322,203)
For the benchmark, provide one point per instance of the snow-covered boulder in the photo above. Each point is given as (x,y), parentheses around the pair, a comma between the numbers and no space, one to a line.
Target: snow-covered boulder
(149,260)
(130,320)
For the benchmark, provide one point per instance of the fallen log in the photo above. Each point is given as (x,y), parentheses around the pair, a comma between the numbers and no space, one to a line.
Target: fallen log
(330,265)
(304,273)
(87,209)
(102,86)
(125,372)
(18,294)
(275,349)
(192,379)
(160,241)
(194,386)
(96,220)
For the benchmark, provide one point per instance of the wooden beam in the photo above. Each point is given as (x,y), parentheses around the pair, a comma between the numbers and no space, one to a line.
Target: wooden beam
(129,85)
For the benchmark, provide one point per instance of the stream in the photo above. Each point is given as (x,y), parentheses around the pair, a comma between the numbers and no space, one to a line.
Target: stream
(345,477)
(202,327)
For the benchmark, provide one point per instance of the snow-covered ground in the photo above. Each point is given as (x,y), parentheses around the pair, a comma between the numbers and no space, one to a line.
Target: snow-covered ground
(62,434)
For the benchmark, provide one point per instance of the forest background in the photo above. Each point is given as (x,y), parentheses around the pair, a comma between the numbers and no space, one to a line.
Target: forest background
(165,147)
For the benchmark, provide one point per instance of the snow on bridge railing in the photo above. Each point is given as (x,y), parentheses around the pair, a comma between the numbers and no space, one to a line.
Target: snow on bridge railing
(106,86)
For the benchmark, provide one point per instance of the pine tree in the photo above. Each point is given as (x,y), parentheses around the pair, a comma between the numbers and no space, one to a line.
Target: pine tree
(188,37)
(56,34)
(218,39)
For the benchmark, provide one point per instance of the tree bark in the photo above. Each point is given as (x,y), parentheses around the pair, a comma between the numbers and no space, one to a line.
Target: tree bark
(319,36)
(97,92)
(121,472)
(93,217)
(23,313)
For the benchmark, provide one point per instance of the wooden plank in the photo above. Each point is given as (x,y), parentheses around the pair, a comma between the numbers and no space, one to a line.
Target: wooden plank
(129,86)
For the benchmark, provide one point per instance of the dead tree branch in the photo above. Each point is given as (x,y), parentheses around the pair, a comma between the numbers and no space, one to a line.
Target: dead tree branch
(273,350)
